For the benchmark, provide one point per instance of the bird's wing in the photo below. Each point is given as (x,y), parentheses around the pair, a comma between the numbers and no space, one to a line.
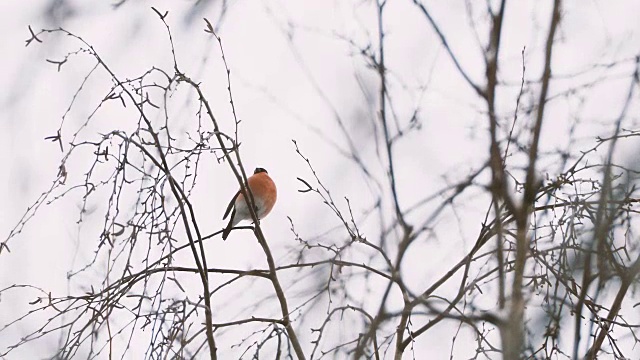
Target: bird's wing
(231,204)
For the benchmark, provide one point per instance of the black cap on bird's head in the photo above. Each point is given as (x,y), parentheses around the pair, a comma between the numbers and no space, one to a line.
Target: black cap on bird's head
(260,170)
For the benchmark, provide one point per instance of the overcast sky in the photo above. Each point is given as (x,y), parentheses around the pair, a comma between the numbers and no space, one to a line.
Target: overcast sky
(293,75)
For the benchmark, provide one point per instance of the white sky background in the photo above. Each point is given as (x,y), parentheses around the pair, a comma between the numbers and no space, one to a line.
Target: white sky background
(277,102)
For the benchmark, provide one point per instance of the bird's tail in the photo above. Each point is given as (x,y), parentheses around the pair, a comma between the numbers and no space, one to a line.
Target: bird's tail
(230,225)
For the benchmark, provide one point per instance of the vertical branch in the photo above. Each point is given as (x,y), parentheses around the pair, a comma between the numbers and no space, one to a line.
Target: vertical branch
(182,197)
(246,191)
(407,237)
(497,162)
(511,332)
(498,209)
(530,182)
(498,183)
(381,67)
(513,335)
(628,277)
(282,298)
(293,337)
(602,227)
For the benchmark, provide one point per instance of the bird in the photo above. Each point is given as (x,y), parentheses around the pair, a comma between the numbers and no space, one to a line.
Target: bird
(264,196)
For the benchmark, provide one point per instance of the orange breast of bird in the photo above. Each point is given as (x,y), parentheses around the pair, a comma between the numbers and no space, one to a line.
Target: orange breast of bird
(264,193)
